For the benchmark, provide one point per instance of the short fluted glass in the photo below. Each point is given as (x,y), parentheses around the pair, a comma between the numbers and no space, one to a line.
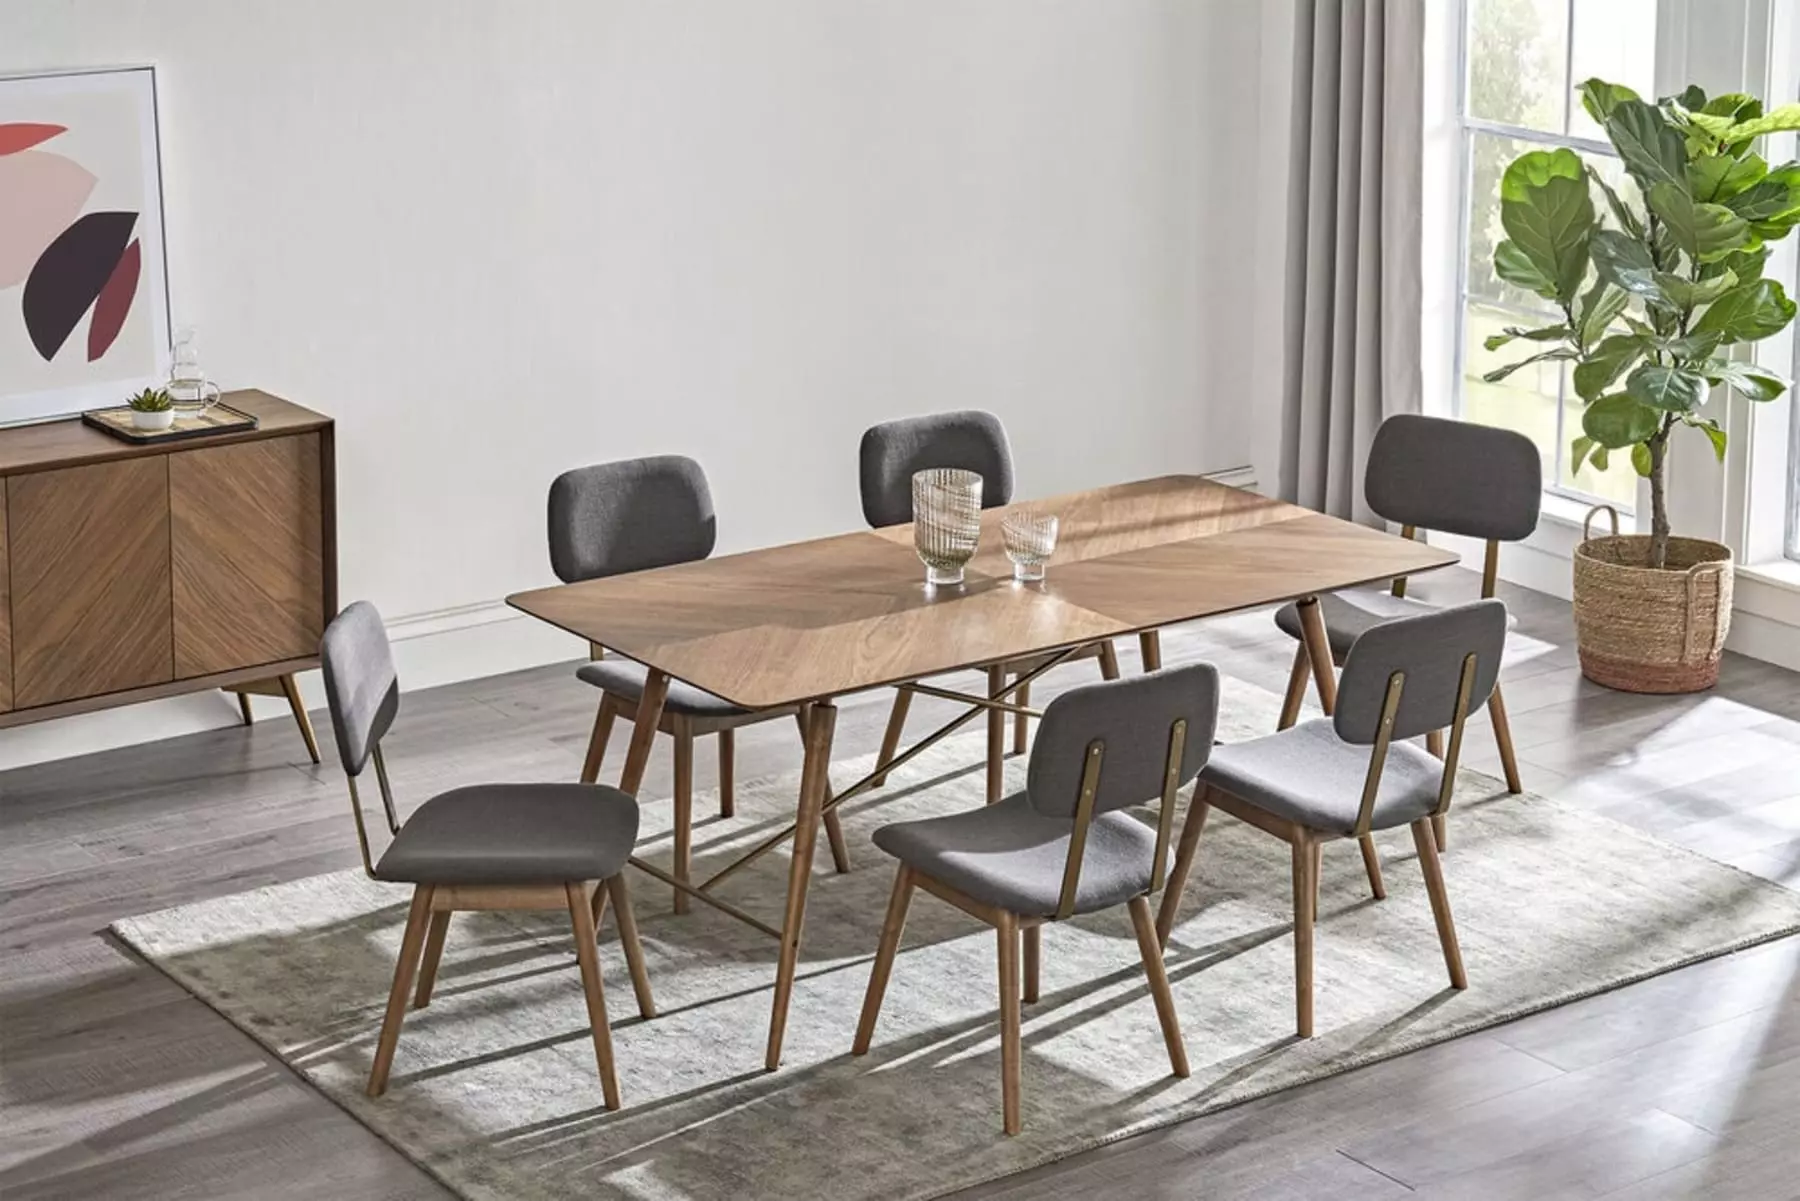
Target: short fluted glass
(946,521)
(1030,539)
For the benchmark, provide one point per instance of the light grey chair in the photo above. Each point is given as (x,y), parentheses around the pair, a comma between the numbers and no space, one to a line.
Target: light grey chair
(1353,773)
(635,515)
(484,846)
(1064,846)
(891,454)
(1428,473)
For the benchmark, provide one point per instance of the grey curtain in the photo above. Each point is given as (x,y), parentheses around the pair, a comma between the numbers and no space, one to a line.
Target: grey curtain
(1351,336)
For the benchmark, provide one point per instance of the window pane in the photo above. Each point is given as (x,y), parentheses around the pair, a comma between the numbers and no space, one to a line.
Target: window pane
(1793,521)
(1526,400)
(1615,40)
(1517,52)
(1617,485)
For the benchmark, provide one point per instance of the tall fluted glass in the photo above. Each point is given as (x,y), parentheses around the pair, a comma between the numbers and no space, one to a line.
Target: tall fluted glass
(946,521)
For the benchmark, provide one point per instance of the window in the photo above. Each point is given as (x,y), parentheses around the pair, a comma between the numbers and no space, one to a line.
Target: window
(1522,60)
(1793,481)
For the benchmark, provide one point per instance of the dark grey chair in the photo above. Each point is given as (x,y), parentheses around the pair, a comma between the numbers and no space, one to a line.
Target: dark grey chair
(1428,473)
(1064,846)
(485,846)
(1353,773)
(635,515)
(891,454)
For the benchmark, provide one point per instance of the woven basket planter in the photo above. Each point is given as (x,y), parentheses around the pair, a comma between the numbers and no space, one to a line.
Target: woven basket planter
(1644,629)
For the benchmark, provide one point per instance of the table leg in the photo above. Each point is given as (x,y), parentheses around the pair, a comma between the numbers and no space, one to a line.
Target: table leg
(643,730)
(1318,649)
(821,725)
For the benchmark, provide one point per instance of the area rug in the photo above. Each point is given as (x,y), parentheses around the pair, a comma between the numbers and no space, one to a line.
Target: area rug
(494,1089)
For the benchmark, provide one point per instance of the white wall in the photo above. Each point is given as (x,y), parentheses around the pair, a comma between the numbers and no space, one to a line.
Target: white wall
(496,240)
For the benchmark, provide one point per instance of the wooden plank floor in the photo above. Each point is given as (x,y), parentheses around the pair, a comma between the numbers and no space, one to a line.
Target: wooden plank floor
(114,1083)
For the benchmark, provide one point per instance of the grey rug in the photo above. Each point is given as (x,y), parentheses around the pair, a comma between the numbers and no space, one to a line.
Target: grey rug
(495,1093)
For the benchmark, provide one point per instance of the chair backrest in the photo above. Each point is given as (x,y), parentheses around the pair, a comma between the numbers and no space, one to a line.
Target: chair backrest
(1132,719)
(361,686)
(1430,650)
(894,450)
(1455,476)
(629,516)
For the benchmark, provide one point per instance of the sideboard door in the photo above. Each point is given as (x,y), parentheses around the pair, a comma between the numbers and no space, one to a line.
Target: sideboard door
(90,580)
(248,549)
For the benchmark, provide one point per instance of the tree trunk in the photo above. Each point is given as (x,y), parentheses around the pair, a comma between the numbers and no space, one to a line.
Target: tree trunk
(1659,501)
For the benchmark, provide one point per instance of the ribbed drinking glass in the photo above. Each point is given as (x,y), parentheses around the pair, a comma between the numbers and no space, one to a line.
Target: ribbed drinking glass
(946,521)
(1030,539)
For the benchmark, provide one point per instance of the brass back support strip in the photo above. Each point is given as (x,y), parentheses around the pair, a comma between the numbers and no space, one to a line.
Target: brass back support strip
(387,791)
(1165,816)
(1390,705)
(1084,817)
(1490,568)
(362,832)
(1464,688)
(1409,533)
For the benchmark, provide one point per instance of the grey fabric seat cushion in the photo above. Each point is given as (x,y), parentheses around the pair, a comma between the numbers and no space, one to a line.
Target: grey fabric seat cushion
(514,834)
(624,678)
(1010,855)
(1310,775)
(1348,614)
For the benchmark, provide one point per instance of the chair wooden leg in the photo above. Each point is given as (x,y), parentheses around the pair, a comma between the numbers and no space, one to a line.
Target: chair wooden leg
(1109,660)
(434,951)
(292,689)
(684,811)
(1007,931)
(1318,873)
(996,737)
(588,956)
(1150,649)
(1021,722)
(727,773)
(411,944)
(1184,864)
(1304,866)
(1151,950)
(1434,744)
(244,707)
(1296,689)
(890,740)
(596,750)
(1503,736)
(891,929)
(1033,937)
(628,940)
(1372,866)
(1440,832)
(1440,902)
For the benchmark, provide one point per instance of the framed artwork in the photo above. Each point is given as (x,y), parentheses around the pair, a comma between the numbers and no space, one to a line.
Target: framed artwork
(84,297)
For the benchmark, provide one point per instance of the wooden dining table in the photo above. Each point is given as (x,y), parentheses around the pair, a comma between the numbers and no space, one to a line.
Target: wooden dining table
(804,624)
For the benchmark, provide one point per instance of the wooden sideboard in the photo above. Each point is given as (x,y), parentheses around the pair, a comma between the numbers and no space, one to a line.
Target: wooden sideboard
(132,572)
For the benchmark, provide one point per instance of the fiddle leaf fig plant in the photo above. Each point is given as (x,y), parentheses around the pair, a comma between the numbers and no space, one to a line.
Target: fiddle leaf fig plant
(1661,294)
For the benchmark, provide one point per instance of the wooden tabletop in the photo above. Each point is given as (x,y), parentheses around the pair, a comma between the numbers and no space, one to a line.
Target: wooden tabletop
(46,445)
(838,615)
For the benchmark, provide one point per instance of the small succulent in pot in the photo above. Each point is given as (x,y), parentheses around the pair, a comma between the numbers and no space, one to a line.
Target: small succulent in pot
(152,409)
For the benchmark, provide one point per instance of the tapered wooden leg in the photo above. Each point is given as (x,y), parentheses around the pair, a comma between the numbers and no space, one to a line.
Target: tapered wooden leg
(434,951)
(727,773)
(588,956)
(1318,653)
(411,944)
(1109,660)
(1434,744)
(1304,866)
(1440,902)
(1372,865)
(644,724)
(1503,736)
(1151,949)
(834,826)
(1184,863)
(1296,689)
(890,740)
(684,812)
(1007,932)
(1034,956)
(292,689)
(1150,649)
(596,749)
(1440,832)
(244,707)
(821,725)
(1318,873)
(597,906)
(628,940)
(891,929)
(996,737)
(1021,722)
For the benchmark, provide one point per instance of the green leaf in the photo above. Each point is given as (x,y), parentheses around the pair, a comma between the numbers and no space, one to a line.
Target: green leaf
(1623,260)
(1653,151)
(1579,450)
(1749,380)
(1549,333)
(1640,460)
(1703,231)
(1599,98)
(1605,363)
(1548,213)
(1747,313)
(1512,266)
(1600,306)
(1560,354)
(1747,265)
(1618,421)
(1776,121)
(1691,97)
(1717,177)
(1739,106)
(1671,389)
(1689,346)
(1714,434)
(1685,293)
(1599,458)
(1628,220)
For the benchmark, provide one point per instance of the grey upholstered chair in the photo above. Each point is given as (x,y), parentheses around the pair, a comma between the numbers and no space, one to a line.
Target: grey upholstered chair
(634,515)
(1064,846)
(891,454)
(484,846)
(1353,773)
(1428,473)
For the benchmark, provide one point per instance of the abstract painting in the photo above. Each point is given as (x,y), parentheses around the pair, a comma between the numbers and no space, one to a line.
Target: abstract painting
(84,312)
